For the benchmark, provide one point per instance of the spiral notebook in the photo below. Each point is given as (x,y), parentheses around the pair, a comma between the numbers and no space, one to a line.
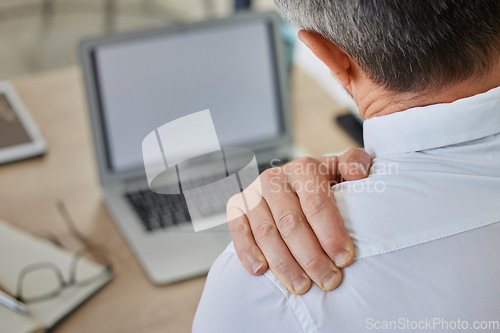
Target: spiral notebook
(19,249)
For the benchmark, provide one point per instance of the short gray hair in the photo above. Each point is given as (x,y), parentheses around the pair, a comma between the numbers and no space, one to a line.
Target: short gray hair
(407,45)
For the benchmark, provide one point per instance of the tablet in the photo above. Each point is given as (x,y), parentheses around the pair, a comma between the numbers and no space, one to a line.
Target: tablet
(19,136)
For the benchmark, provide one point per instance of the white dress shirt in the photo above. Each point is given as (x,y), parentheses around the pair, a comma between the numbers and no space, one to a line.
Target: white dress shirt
(425,227)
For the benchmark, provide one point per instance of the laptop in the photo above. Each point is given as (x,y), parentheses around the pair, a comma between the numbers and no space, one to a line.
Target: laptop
(136,82)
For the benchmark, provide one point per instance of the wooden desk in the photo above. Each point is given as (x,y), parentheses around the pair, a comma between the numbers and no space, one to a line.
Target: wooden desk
(28,190)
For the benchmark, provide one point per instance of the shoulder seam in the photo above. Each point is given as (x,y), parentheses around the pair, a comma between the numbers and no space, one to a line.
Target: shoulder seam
(298,307)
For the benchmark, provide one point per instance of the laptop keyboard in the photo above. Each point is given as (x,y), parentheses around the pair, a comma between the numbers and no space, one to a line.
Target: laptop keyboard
(159,211)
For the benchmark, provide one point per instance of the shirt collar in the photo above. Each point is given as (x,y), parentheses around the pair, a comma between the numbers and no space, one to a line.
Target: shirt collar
(434,126)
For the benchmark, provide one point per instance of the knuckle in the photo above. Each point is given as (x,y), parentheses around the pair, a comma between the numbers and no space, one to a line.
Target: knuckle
(268,175)
(304,167)
(263,231)
(290,224)
(314,205)
(335,243)
(304,164)
(331,245)
(238,228)
(280,265)
(313,265)
(305,160)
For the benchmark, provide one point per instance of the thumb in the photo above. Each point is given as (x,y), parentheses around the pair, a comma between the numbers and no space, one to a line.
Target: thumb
(354,164)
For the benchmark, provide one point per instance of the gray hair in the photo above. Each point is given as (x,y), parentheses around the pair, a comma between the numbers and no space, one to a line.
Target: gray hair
(407,45)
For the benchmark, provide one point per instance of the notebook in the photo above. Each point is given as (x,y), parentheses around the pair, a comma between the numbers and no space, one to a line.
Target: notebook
(19,249)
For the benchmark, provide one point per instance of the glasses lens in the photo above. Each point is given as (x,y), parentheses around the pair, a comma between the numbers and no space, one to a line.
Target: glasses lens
(89,266)
(40,283)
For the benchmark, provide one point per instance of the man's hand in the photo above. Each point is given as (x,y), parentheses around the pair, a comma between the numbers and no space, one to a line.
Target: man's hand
(294,227)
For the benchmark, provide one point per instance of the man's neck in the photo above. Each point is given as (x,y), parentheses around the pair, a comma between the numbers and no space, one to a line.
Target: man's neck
(375,101)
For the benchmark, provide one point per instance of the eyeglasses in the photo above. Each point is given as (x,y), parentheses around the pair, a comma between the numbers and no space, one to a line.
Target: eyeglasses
(45,280)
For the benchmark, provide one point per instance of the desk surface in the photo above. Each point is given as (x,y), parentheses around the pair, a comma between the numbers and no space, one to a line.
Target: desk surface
(29,189)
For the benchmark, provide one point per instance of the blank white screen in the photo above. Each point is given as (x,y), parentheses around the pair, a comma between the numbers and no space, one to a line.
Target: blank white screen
(145,83)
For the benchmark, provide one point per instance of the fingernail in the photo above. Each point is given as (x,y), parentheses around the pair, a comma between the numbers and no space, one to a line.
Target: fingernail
(299,284)
(342,258)
(255,265)
(330,281)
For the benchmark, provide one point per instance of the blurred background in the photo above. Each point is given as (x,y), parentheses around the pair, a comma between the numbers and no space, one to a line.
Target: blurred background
(41,35)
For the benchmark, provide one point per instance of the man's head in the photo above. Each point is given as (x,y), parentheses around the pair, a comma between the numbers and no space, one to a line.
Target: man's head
(403,46)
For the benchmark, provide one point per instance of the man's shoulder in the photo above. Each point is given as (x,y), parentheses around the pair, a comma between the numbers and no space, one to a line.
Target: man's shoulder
(413,198)
(233,300)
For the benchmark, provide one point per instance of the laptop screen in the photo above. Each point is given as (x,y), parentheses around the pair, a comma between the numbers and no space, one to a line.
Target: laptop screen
(146,82)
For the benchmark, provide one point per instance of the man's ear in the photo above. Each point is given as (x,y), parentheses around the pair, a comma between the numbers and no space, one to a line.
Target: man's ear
(332,55)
